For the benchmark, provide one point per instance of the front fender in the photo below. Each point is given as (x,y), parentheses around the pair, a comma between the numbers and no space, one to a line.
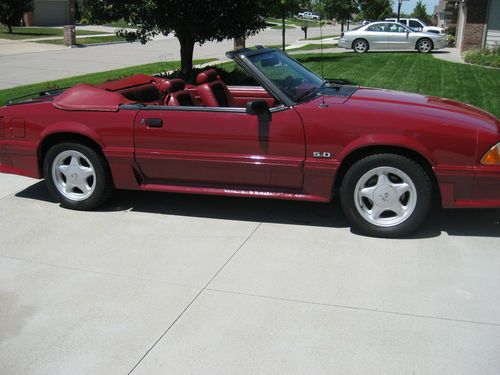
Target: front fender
(386,140)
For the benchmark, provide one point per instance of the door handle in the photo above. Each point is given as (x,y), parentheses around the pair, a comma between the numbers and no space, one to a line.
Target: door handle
(153,122)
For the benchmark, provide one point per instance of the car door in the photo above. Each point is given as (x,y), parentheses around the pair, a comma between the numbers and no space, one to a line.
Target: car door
(415,25)
(399,37)
(201,145)
(377,36)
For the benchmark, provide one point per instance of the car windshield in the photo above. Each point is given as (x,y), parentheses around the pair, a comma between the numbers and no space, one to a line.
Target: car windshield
(293,79)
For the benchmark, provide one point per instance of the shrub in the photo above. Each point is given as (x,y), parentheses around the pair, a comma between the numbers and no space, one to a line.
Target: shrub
(234,76)
(486,57)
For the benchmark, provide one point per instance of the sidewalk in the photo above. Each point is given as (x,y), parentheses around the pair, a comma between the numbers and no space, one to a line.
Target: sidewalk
(449,54)
(15,47)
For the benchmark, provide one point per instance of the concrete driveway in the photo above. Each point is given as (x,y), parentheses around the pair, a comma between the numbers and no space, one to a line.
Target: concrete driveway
(177,284)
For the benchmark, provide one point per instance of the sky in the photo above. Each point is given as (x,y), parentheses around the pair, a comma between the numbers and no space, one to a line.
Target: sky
(408,6)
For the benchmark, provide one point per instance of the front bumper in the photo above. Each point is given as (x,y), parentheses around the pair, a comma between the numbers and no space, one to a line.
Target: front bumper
(477,187)
(343,43)
(441,44)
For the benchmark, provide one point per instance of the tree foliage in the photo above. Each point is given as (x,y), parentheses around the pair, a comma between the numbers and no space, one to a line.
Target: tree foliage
(281,9)
(420,11)
(11,11)
(341,10)
(376,9)
(191,21)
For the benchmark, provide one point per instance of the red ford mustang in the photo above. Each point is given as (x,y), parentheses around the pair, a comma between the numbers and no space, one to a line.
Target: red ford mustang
(295,136)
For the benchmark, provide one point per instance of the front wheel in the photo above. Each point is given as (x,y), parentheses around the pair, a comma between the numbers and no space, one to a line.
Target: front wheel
(386,195)
(77,176)
(424,46)
(360,46)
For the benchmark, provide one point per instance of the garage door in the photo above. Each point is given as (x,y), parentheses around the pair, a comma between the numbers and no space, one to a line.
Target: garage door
(51,13)
(493,31)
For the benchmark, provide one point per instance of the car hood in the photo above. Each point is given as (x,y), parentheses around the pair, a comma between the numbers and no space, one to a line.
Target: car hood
(420,106)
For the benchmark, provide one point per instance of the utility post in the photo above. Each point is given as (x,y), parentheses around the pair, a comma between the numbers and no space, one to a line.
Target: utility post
(400,2)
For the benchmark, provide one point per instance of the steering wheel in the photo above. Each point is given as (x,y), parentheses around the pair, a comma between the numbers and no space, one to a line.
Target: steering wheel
(288,85)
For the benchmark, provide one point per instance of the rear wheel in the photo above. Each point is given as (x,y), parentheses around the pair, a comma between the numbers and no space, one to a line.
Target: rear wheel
(424,45)
(360,46)
(77,176)
(386,195)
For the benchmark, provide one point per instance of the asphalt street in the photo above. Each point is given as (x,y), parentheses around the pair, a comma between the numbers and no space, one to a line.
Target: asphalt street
(33,66)
(178,284)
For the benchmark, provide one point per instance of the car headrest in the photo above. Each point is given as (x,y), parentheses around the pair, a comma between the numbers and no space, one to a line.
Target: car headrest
(171,85)
(206,76)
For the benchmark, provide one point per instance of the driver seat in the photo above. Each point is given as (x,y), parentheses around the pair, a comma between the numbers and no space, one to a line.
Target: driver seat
(174,93)
(213,92)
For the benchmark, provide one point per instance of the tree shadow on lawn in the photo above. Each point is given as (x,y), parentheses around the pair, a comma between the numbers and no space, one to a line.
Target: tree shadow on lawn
(463,222)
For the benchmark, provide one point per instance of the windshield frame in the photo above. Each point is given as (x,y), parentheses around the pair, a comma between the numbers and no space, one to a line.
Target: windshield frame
(242,58)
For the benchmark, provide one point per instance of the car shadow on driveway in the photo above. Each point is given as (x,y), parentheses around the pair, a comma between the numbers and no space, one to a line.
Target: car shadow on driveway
(462,222)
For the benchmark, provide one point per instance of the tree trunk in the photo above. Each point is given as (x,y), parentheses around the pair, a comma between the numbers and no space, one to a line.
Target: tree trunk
(10,28)
(187,49)
(283,28)
(342,26)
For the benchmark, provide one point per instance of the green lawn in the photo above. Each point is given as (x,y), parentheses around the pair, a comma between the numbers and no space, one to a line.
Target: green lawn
(87,40)
(295,22)
(20,33)
(321,37)
(94,78)
(280,27)
(411,72)
(414,72)
(278,20)
(121,24)
(309,47)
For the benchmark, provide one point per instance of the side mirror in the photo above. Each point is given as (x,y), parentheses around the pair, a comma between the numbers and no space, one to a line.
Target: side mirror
(259,108)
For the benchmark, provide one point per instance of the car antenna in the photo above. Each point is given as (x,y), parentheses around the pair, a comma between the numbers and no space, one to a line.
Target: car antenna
(323,104)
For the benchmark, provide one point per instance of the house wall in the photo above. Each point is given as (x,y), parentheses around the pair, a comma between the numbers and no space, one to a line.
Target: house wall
(475,24)
(51,12)
(493,24)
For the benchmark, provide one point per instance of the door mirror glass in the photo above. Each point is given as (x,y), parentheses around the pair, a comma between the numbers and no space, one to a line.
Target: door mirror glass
(259,108)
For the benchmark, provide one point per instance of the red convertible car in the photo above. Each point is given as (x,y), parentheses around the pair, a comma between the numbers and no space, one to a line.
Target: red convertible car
(294,136)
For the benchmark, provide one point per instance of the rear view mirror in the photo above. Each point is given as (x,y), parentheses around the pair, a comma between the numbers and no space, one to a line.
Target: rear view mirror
(270,61)
(259,108)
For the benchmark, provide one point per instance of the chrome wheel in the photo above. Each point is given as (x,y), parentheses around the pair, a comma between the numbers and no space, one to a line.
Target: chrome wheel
(425,46)
(385,196)
(73,175)
(360,46)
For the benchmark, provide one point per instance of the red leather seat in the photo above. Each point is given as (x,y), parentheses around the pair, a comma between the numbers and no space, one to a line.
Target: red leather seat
(174,93)
(213,92)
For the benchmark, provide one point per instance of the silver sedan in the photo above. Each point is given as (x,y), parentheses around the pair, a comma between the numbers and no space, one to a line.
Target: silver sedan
(390,36)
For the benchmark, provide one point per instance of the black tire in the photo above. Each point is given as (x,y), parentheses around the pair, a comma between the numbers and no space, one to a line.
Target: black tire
(87,161)
(360,46)
(401,172)
(425,45)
